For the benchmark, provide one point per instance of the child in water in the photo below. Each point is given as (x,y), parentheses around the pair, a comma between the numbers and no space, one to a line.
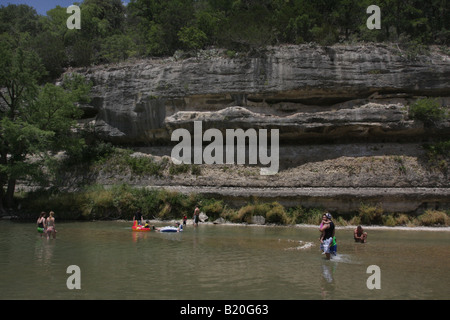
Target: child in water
(147,226)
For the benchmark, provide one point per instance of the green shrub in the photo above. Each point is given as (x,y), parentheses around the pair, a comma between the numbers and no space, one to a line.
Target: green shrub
(276,214)
(340,221)
(144,165)
(212,208)
(122,202)
(175,169)
(246,213)
(434,217)
(116,48)
(389,221)
(300,214)
(195,170)
(273,212)
(428,111)
(370,214)
(125,201)
(402,220)
(192,37)
(172,205)
(123,160)
(230,215)
(98,203)
(355,220)
(441,148)
(231,54)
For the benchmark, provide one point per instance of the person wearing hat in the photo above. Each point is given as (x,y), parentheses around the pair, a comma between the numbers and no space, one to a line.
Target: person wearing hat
(327,234)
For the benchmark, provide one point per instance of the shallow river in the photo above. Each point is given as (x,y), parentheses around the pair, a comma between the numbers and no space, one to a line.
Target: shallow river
(219,262)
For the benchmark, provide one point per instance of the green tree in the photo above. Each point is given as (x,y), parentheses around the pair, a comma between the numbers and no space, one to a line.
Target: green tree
(116,48)
(33,120)
(192,37)
(294,20)
(52,52)
(158,22)
(18,19)
(51,44)
(209,21)
(248,26)
(103,25)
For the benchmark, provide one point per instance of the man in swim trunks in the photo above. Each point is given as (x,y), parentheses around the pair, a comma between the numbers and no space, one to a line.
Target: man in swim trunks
(326,238)
(196,215)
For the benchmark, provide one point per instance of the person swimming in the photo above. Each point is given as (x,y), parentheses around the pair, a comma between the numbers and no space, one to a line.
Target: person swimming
(148,226)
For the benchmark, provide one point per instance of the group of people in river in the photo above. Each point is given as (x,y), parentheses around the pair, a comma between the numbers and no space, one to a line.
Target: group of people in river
(138,218)
(327,237)
(46,225)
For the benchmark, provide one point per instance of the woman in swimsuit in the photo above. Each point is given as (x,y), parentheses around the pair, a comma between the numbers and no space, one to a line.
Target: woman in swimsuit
(51,226)
(41,223)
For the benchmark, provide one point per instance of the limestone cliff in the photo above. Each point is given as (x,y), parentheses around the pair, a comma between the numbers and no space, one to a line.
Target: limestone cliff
(341,111)
(310,92)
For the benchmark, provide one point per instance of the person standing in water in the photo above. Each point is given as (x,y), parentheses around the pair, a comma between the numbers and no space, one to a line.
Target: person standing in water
(139,218)
(41,223)
(326,238)
(196,215)
(51,227)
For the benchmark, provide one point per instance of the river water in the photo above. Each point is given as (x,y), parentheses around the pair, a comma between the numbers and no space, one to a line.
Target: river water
(220,262)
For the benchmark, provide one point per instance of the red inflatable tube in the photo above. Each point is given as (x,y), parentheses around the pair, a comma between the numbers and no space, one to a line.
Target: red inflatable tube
(139,228)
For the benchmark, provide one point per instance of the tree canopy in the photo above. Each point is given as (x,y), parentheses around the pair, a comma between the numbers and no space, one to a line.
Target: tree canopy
(34,119)
(113,32)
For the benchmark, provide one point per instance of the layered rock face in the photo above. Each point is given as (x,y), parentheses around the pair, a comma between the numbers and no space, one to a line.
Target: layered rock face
(341,112)
(308,92)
